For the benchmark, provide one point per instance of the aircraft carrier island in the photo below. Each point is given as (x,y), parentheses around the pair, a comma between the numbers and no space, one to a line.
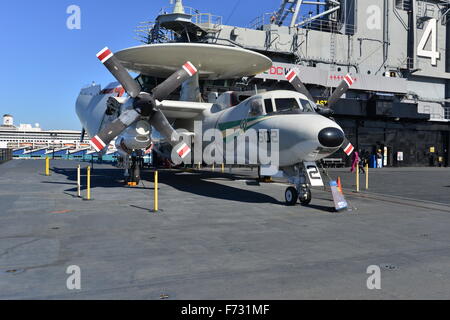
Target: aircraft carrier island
(302,157)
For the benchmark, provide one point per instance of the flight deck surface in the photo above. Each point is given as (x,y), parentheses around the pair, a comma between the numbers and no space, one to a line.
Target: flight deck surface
(220,236)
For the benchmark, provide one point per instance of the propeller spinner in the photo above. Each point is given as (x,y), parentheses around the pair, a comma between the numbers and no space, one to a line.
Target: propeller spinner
(144,104)
(343,87)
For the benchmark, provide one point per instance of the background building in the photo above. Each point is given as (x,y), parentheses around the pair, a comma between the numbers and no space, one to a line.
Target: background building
(33,137)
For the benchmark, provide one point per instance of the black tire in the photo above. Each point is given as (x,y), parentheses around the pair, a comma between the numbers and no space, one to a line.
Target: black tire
(306,198)
(291,196)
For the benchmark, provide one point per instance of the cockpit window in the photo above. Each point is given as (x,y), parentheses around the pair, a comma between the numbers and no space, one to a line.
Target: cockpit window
(288,104)
(269,105)
(307,106)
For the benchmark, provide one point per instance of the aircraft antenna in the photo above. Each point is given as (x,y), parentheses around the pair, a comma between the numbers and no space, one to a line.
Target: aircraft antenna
(178,7)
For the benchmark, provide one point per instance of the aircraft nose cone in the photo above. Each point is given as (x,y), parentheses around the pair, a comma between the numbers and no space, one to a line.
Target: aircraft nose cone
(331,137)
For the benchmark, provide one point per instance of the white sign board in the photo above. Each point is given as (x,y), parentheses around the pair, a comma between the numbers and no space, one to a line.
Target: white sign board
(3,145)
(314,176)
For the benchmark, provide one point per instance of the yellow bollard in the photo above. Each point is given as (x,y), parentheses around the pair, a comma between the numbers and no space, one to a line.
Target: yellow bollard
(357,177)
(367,176)
(223,168)
(79,181)
(155,204)
(47,166)
(199,166)
(88,197)
(213,167)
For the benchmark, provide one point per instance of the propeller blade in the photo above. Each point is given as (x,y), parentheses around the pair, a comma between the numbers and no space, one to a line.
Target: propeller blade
(83,133)
(162,125)
(326,112)
(114,66)
(174,81)
(112,130)
(341,90)
(294,79)
(348,147)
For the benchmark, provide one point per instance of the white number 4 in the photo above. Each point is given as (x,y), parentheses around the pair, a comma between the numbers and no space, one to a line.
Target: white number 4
(434,53)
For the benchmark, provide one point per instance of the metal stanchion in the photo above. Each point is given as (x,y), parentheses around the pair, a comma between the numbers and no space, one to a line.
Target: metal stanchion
(357,177)
(88,197)
(79,181)
(47,166)
(367,176)
(155,202)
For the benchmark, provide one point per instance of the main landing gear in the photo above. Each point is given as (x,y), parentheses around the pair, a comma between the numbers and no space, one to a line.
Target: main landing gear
(301,192)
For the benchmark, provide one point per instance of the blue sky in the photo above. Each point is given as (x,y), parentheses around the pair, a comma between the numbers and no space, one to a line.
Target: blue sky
(44,64)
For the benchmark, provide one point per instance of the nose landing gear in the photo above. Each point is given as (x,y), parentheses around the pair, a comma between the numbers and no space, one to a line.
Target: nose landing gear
(306,197)
(291,196)
(301,192)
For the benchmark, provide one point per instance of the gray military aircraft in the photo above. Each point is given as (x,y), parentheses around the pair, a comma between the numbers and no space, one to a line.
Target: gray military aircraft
(306,134)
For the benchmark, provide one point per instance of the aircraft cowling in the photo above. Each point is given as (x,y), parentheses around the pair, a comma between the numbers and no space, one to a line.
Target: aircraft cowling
(92,103)
(136,137)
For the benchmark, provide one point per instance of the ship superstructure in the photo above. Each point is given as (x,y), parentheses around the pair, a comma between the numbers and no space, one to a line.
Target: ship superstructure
(396,50)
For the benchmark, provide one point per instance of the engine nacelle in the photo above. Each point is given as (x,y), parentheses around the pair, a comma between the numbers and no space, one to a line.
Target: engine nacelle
(136,137)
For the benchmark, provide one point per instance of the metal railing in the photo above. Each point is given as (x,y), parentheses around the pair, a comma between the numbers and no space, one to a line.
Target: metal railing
(197,16)
(5,155)
(403,4)
(260,21)
(187,10)
(151,32)
(325,25)
(207,19)
(447,113)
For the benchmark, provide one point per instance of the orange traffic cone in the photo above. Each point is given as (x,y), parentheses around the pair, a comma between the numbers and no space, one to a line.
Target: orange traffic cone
(339,185)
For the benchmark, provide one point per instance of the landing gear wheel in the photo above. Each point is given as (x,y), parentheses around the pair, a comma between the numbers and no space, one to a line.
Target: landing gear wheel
(291,196)
(306,198)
